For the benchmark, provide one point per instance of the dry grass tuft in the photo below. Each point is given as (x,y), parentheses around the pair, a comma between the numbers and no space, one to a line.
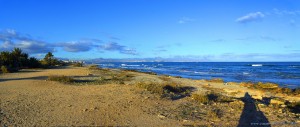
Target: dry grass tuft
(247,84)
(94,67)
(164,77)
(170,90)
(211,97)
(63,79)
(214,114)
(267,85)
(117,78)
(4,69)
(271,87)
(152,87)
(216,80)
(201,98)
(294,106)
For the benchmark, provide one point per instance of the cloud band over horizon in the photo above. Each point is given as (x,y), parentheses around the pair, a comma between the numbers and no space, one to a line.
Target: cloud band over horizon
(11,39)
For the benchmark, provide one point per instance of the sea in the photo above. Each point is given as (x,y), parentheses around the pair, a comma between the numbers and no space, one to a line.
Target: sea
(286,74)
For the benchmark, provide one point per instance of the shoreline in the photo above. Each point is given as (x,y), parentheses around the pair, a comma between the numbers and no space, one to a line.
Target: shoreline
(243,72)
(293,87)
(114,97)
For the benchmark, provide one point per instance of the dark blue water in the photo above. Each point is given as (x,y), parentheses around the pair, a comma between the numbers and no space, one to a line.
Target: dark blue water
(283,73)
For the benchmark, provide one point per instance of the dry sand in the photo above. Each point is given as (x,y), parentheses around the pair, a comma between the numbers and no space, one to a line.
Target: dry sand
(27,99)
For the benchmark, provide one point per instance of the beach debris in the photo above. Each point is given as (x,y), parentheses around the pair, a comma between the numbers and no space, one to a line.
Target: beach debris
(279,110)
(185,121)
(161,116)
(283,106)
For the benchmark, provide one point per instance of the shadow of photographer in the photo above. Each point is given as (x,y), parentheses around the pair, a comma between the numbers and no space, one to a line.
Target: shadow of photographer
(251,115)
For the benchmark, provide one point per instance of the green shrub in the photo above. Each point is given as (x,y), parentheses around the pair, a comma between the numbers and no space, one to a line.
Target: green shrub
(4,69)
(63,79)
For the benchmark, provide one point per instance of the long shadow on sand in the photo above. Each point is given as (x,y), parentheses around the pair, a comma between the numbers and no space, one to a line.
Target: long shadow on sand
(251,115)
(29,78)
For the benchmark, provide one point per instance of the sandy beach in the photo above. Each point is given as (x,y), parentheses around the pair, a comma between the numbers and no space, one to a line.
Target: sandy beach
(27,98)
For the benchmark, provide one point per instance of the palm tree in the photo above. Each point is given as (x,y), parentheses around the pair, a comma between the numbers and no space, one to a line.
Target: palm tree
(49,59)
(20,59)
(16,54)
(5,58)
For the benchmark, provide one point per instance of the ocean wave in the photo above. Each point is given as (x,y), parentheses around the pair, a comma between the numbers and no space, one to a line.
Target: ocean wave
(202,73)
(107,65)
(133,65)
(294,66)
(257,65)
(246,73)
(184,71)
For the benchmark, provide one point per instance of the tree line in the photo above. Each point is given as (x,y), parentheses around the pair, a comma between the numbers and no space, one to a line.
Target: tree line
(12,61)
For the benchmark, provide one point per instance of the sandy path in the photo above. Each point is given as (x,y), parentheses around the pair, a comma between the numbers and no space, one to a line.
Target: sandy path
(28,100)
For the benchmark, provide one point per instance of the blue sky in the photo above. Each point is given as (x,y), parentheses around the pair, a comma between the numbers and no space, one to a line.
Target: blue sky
(198,30)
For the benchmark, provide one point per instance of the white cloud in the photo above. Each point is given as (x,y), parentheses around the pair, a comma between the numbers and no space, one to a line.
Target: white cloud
(10,39)
(218,40)
(184,20)
(76,46)
(113,46)
(35,46)
(286,12)
(259,38)
(250,17)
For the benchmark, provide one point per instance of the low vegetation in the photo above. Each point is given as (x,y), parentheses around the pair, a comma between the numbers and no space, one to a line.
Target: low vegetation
(164,77)
(4,69)
(294,106)
(150,73)
(214,114)
(271,87)
(211,97)
(216,80)
(170,90)
(94,67)
(266,85)
(201,98)
(61,78)
(77,64)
